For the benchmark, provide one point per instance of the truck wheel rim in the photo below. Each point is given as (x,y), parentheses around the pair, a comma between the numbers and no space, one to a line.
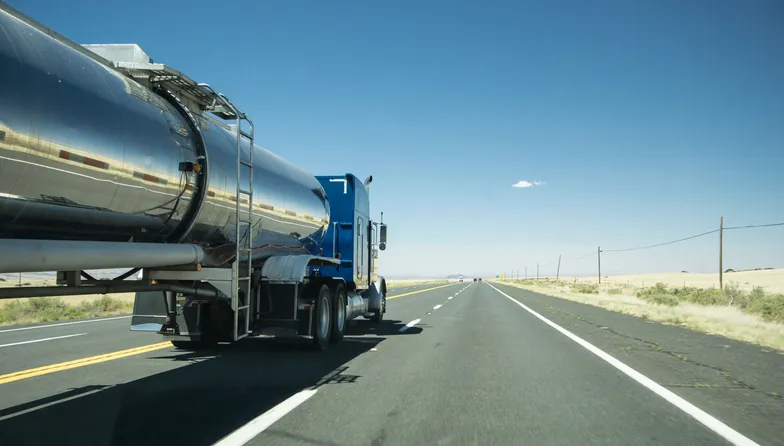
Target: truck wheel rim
(341,316)
(324,316)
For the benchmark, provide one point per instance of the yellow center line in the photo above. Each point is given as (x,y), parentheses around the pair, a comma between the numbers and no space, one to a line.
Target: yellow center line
(419,291)
(47,369)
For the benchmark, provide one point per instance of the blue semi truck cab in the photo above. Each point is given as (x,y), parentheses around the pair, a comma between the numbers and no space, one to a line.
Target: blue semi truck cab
(352,235)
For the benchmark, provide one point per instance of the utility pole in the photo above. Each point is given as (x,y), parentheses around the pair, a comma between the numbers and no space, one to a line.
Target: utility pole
(599,256)
(526,273)
(721,253)
(558,271)
(537,271)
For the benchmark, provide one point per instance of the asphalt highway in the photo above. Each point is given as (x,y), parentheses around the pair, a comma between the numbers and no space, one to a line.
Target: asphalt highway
(460,364)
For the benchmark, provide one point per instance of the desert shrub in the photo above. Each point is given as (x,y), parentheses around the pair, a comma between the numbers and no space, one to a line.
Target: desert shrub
(701,296)
(585,288)
(45,309)
(770,306)
(658,294)
(105,304)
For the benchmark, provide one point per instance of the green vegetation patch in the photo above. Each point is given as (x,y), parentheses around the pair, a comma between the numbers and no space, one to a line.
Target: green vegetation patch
(45,309)
(768,305)
(585,288)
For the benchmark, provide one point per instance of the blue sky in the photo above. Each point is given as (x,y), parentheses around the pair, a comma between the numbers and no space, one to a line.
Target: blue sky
(646,120)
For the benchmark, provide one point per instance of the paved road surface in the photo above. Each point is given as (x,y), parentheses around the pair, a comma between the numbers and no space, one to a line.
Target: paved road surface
(473,368)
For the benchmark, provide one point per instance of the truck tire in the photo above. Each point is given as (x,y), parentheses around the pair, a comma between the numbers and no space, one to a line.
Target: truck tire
(208,340)
(194,345)
(323,318)
(338,314)
(378,315)
(209,332)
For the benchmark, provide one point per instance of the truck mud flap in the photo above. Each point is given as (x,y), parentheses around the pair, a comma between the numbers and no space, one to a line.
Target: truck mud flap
(374,296)
(149,311)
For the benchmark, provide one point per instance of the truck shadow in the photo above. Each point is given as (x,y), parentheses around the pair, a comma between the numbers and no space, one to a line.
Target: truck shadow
(383,328)
(194,397)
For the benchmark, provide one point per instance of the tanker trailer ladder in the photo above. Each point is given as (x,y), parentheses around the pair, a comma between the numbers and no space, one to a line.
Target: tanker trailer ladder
(241,284)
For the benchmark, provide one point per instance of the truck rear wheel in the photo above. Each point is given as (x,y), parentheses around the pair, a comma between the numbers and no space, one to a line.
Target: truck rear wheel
(214,317)
(323,319)
(378,315)
(338,314)
(194,345)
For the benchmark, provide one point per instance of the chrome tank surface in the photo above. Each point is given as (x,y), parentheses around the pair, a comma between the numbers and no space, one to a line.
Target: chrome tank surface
(89,154)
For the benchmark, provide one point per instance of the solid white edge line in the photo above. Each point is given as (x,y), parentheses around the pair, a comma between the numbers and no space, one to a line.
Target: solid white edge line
(259,424)
(409,325)
(437,307)
(64,323)
(690,409)
(42,340)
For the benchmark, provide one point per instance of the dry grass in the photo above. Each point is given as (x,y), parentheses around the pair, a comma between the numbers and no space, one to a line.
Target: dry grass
(753,315)
(70,300)
(391,284)
(45,309)
(771,280)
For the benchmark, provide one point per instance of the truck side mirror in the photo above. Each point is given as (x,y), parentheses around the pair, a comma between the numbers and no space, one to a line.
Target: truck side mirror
(382,245)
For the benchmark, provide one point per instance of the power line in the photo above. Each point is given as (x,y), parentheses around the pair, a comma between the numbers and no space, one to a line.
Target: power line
(593,253)
(754,226)
(693,236)
(661,244)
(637,248)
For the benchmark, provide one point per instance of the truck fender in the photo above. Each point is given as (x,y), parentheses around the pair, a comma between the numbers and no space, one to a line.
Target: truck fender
(292,268)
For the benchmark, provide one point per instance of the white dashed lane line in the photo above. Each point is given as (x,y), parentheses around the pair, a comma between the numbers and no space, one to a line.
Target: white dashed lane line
(409,325)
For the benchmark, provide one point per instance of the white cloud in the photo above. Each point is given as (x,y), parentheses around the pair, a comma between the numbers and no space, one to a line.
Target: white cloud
(523,183)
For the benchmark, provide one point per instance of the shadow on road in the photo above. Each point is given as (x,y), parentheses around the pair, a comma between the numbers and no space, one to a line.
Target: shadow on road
(384,328)
(198,398)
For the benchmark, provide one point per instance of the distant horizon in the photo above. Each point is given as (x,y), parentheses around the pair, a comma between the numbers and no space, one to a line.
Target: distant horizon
(13,277)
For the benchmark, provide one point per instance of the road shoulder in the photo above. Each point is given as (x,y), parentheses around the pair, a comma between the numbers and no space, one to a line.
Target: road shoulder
(739,383)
